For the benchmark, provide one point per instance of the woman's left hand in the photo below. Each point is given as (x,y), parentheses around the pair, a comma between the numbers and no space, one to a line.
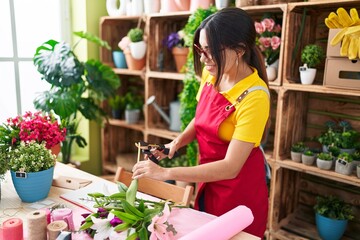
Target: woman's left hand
(147,168)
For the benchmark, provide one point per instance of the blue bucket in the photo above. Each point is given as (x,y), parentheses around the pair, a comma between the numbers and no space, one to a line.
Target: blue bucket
(35,186)
(330,229)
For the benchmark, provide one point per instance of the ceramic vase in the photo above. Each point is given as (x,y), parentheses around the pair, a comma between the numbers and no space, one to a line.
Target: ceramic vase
(343,167)
(307,160)
(132,116)
(113,10)
(35,186)
(221,3)
(132,63)
(151,6)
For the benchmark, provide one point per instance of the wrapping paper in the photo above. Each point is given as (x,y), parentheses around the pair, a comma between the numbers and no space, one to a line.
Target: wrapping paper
(223,227)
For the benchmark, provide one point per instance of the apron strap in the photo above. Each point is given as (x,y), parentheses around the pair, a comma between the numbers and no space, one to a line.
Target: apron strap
(245,93)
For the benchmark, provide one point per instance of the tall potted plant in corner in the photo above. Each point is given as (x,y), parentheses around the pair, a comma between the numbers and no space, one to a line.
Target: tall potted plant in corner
(332,215)
(76,87)
(312,55)
(3,164)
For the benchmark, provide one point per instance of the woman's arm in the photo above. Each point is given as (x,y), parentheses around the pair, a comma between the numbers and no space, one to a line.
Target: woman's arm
(226,168)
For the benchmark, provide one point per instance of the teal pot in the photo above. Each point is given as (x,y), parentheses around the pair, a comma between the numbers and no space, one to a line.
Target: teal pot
(330,229)
(35,186)
(119,59)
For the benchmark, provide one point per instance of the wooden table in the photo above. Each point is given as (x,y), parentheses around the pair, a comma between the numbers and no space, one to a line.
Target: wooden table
(11,205)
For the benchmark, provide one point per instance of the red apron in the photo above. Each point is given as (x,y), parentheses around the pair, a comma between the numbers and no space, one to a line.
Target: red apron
(249,187)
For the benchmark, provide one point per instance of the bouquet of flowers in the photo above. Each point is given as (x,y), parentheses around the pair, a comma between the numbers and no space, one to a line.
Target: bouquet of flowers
(36,127)
(268,38)
(175,39)
(122,215)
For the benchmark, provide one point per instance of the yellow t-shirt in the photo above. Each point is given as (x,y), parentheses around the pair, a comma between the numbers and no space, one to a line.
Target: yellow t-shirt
(248,121)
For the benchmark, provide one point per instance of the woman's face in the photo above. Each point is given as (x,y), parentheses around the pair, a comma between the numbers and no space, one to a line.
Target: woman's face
(206,58)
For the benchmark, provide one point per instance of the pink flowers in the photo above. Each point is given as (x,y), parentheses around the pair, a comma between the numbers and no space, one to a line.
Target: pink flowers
(268,39)
(38,127)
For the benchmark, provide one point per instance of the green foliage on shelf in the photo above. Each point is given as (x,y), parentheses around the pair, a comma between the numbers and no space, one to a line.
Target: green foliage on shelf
(136,34)
(191,84)
(312,55)
(325,156)
(333,207)
(298,147)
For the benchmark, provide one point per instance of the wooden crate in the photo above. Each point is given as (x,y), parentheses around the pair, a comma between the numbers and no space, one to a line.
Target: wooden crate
(112,30)
(314,31)
(160,26)
(280,11)
(112,146)
(173,88)
(303,116)
(292,211)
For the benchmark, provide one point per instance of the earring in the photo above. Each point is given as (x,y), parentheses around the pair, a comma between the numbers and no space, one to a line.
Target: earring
(237,61)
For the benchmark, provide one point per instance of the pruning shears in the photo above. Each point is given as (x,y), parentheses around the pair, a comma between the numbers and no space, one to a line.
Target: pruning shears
(147,147)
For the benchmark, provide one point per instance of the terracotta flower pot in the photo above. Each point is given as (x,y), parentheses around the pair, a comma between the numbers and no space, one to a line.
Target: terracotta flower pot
(132,63)
(56,149)
(180,55)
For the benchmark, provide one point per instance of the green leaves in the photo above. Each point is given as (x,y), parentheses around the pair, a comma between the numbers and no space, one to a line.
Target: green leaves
(92,38)
(131,192)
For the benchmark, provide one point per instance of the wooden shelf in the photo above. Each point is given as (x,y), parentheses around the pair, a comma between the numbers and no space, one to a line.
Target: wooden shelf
(121,71)
(110,167)
(320,89)
(166,75)
(121,123)
(162,133)
(313,170)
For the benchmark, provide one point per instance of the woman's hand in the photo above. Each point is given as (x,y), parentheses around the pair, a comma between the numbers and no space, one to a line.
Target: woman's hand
(147,168)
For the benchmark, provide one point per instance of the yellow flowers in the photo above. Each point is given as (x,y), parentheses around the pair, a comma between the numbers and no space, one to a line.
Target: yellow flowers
(349,35)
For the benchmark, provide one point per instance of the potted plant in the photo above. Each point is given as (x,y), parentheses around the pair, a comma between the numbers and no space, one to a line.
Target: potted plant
(328,138)
(176,43)
(137,43)
(296,151)
(308,157)
(356,159)
(343,163)
(31,166)
(312,55)
(134,104)
(268,39)
(332,215)
(117,104)
(119,58)
(324,160)
(347,139)
(68,85)
(3,165)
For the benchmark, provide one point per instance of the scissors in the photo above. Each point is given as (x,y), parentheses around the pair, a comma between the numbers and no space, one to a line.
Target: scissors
(147,147)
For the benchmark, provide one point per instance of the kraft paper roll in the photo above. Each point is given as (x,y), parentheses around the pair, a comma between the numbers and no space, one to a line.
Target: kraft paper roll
(55,228)
(37,225)
(13,229)
(223,227)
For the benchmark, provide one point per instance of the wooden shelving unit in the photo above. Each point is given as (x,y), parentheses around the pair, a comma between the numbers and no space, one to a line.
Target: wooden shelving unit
(298,112)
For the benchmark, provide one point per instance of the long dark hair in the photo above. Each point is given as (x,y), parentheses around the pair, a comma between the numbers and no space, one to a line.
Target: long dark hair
(231,28)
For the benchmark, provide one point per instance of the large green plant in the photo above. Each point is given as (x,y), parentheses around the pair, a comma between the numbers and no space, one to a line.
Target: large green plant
(191,84)
(76,87)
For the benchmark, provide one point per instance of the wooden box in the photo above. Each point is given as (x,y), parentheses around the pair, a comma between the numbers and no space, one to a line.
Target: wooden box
(173,89)
(112,30)
(280,11)
(333,51)
(305,25)
(113,149)
(342,73)
(294,216)
(160,26)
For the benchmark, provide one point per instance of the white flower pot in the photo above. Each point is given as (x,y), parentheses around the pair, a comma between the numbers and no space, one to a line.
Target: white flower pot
(221,3)
(307,75)
(324,164)
(358,171)
(132,116)
(307,160)
(271,73)
(138,49)
(343,167)
(296,157)
(151,6)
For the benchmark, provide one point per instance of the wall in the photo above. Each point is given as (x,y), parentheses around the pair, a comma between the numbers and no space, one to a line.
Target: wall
(85,16)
